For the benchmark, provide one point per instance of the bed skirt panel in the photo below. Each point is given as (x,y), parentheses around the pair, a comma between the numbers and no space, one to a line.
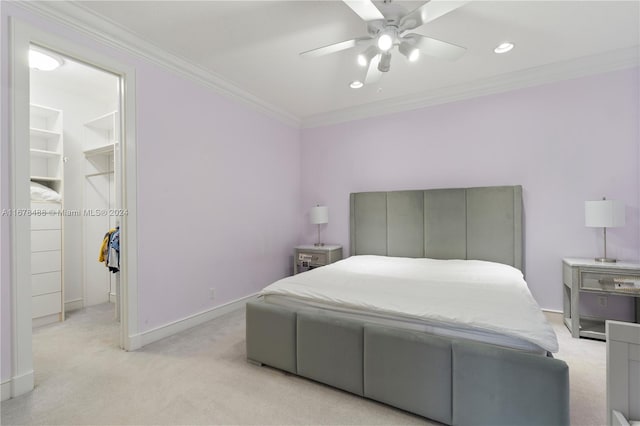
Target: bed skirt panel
(330,350)
(409,370)
(517,388)
(271,336)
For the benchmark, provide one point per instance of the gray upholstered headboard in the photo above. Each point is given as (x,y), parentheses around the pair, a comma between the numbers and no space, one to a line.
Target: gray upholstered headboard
(462,223)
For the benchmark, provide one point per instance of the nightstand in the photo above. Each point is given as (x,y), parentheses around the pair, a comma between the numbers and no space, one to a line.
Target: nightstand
(309,256)
(589,276)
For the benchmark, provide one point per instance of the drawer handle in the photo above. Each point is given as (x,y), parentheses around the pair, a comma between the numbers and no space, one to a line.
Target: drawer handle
(630,284)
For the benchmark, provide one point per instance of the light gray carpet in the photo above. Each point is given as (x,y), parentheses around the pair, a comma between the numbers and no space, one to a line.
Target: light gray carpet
(201,377)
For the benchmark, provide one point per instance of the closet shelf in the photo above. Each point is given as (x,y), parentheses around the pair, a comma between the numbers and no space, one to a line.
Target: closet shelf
(43,153)
(46,178)
(101,150)
(42,133)
(104,122)
(44,112)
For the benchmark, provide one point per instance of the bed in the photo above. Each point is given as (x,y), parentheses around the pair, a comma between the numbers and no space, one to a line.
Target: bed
(454,351)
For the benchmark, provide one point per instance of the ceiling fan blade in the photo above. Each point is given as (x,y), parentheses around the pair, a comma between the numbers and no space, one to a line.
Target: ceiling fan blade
(433,47)
(333,48)
(428,12)
(373,73)
(365,9)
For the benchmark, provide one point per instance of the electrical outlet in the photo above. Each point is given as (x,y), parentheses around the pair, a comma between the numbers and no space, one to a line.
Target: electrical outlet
(602,301)
(212,293)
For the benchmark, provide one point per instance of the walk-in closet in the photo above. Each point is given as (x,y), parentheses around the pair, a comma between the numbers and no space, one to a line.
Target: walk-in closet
(74,134)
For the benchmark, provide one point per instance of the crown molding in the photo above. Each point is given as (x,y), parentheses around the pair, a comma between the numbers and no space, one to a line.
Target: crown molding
(558,71)
(107,32)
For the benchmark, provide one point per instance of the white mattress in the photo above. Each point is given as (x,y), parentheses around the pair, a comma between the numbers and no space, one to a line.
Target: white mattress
(473,299)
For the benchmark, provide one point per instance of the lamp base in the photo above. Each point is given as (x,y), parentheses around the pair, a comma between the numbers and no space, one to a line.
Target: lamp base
(322,245)
(605,260)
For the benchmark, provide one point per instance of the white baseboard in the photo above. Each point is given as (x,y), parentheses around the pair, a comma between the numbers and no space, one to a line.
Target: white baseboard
(153,335)
(17,386)
(73,305)
(49,319)
(5,392)
(553,311)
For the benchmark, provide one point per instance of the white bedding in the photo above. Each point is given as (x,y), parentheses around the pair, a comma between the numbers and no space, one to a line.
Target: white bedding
(478,296)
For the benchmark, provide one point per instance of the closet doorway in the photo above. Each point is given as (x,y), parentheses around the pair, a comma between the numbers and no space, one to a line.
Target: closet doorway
(48,165)
(74,117)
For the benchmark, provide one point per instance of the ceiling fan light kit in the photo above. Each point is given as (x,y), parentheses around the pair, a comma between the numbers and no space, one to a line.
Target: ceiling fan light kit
(386,39)
(385,62)
(411,52)
(365,57)
(389,25)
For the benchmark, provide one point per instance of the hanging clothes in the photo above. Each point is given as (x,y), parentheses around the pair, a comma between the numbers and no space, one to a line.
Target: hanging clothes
(113,261)
(104,247)
(110,250)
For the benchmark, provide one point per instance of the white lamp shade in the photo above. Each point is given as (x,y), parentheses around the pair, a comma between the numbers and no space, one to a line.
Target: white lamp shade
(319,215)
(604,213)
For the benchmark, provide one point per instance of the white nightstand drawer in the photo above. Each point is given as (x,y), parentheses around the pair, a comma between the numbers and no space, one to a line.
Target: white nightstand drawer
(46,261)
(46,304)
(309,257)
(49,282)
(610,282)
(46,240)
(313,259)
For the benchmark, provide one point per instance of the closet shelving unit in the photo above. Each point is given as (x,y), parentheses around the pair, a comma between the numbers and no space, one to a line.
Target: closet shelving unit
(100,149)
(47,168)
(46,146)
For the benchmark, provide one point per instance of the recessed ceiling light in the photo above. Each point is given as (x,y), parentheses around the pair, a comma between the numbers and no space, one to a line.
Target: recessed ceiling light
(356,84)
(504,47)
(43,61)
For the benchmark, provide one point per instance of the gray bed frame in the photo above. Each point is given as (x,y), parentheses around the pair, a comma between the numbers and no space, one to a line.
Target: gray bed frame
(450,380)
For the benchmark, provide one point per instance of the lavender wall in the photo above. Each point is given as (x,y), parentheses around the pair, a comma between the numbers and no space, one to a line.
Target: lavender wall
(218,192)
(218,198)
(565,143)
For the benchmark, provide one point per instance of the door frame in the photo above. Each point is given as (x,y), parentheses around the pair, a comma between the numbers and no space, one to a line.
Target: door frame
(21,36)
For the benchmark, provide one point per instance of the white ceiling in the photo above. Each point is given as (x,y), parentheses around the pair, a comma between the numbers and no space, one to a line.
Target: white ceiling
(255,45)
(80,80)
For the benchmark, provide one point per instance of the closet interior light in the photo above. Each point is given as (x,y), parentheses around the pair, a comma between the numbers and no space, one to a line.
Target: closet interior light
(43,61)
(356,84)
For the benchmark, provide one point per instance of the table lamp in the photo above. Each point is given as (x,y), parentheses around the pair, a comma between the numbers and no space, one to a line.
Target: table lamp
(319,215)
(604,214)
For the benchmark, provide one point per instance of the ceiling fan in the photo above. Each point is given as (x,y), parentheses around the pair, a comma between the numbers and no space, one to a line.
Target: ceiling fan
(389,25)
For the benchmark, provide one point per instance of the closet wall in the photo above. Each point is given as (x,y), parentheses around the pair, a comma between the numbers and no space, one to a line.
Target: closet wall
(70,89)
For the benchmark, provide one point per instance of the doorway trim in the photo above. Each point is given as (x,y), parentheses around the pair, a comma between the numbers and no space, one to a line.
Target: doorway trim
(21,36)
